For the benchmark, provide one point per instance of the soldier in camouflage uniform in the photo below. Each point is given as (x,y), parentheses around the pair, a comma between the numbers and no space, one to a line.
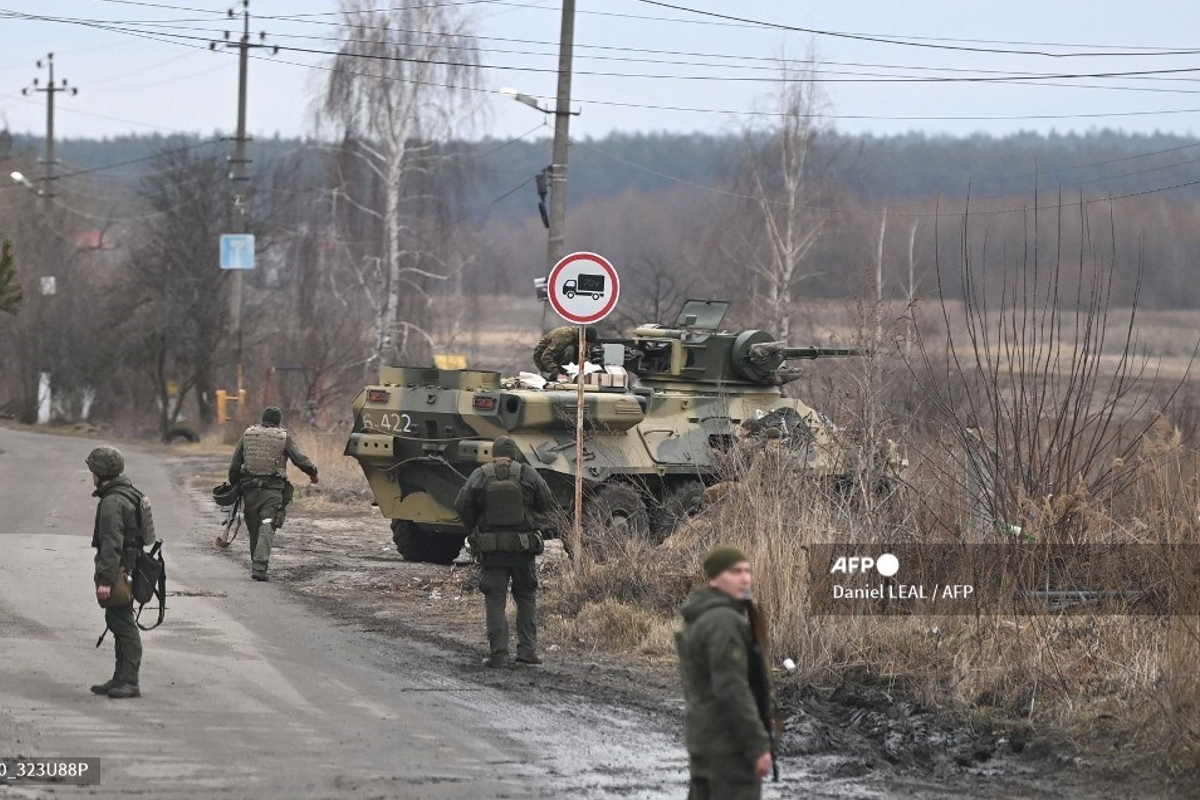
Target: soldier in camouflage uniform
(115,533)
(729,748)
(259,469)
(497,504)
(559,347)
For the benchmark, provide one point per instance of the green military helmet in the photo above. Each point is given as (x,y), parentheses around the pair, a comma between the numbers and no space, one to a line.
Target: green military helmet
(106,462)
(225,495)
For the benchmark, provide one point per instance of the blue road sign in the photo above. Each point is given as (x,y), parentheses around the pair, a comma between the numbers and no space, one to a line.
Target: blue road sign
(237,251)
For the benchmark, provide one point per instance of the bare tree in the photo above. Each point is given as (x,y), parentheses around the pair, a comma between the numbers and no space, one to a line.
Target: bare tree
(402,81)
(175,307)
(11,293)
(782,179)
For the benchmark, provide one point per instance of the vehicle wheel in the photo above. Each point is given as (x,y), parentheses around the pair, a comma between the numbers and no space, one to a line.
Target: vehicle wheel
(615,513)
(570,295)
(415,544)
(678,503)
(410,540)
(181,434)
(595,297)
(441,548)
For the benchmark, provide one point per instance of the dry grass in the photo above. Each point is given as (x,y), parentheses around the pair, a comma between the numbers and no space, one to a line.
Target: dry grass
(1125,682)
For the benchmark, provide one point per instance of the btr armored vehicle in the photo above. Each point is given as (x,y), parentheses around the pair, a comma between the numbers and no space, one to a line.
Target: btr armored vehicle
(669,403)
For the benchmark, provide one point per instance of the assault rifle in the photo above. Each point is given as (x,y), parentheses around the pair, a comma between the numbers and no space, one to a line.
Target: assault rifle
(760,682)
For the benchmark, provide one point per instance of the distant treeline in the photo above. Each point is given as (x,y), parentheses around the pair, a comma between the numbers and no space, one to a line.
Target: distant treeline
(872,169)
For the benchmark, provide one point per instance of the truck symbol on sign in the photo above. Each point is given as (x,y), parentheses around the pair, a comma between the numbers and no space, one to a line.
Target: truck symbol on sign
(585,284)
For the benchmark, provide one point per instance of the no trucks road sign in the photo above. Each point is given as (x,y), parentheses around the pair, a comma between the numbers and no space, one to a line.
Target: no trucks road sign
(583,288)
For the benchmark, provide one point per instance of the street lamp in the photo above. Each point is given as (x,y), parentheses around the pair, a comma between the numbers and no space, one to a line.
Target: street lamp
(20,178)
(526,99)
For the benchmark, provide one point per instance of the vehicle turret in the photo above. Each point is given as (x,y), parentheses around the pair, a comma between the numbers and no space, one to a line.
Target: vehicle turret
(695,351)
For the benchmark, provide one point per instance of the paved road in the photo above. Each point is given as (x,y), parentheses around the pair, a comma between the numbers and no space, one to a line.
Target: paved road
(247,691)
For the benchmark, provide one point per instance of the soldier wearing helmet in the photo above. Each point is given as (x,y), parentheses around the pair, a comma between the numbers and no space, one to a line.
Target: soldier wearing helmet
(116,533)
(497,504)
(559,347)
(259,469)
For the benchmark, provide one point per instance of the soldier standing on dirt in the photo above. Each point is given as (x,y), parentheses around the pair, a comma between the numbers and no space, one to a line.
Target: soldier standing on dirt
(558,348)
(115,532)
(497,504)
(728,744)
(259,469)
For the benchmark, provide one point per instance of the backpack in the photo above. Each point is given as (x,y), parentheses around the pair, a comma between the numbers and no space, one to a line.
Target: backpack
(503,500)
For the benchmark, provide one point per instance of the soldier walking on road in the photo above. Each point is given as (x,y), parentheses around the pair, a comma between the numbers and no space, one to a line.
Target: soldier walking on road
(728,743)
(497,504)
(259,469)
(117,537)
(559,347)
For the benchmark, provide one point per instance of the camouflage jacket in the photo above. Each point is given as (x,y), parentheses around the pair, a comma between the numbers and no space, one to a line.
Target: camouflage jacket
(116,522)
(714,642)
(556,348)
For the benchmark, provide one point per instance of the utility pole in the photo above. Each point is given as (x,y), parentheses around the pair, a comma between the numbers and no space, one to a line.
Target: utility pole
(562,125)
(240,223)
(52,87)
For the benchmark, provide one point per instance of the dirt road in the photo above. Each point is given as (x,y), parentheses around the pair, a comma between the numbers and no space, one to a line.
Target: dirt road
(355,674)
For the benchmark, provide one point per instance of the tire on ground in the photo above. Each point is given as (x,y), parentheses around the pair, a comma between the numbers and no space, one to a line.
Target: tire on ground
(614,514)
(417,545)
(678,503)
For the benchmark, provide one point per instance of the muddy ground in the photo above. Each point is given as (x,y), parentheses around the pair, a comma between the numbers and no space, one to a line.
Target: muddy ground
(853,740)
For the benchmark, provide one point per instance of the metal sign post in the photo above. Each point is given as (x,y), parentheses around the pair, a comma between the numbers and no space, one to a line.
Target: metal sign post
(582,288)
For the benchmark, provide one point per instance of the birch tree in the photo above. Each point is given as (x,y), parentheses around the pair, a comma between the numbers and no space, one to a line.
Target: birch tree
(782,181)
(402,82)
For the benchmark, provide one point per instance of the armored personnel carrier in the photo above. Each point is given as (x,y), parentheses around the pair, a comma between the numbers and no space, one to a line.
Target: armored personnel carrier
(655,429)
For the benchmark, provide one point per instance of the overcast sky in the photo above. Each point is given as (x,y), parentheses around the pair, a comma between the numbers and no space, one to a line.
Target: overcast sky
(886,66)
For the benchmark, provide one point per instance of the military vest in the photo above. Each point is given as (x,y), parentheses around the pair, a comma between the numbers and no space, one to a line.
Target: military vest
(263,451)
(144,535)
(503,500)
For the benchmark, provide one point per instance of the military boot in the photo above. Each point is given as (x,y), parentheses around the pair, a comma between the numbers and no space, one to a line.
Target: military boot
(122,691)
(102,688)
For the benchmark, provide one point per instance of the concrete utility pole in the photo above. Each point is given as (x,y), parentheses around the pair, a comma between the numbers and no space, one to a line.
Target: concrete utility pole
(52,87)
(238,174)
(562,126)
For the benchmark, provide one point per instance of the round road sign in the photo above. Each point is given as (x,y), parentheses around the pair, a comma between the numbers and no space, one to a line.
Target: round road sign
(583,288)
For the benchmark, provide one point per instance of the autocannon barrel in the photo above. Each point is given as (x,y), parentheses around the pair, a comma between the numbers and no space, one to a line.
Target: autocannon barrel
(764,351)
(821,352)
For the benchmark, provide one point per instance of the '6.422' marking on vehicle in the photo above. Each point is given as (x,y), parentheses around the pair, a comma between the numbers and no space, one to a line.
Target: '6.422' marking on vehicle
(389,421)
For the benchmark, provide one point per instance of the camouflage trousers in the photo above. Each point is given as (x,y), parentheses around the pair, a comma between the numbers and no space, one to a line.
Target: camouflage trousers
(723,779)
(493,583)
(127,643)
(263,508)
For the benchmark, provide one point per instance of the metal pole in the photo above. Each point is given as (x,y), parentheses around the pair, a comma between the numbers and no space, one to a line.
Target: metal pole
(577,534)
(43,396)
(562,124)
(48,174)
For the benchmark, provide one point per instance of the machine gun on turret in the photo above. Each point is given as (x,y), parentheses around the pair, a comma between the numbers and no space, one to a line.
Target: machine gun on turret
(697,351)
